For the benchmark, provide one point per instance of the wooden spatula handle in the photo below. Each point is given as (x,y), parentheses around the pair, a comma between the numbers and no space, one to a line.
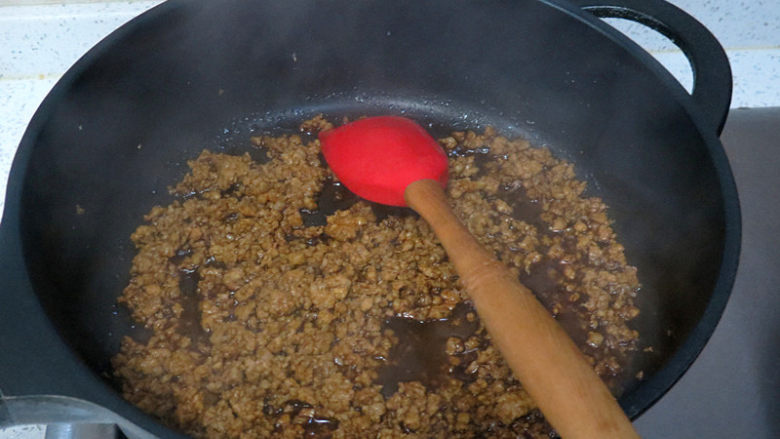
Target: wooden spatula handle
(541,355)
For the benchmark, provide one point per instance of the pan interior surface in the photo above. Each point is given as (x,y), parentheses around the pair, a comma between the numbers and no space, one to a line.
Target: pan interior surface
(120,127)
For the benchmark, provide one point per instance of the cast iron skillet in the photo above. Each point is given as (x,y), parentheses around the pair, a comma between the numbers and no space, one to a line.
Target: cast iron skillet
(118,127)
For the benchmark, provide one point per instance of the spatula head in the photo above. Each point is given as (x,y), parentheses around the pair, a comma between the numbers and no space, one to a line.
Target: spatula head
(378,157)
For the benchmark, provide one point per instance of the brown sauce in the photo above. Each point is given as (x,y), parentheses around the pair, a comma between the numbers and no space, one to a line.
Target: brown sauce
(353,372)
(189,321)
(420,355)
(523,208)
(334,196)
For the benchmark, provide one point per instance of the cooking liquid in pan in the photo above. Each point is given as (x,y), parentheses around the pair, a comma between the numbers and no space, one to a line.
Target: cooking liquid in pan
(419,353)
(432,352)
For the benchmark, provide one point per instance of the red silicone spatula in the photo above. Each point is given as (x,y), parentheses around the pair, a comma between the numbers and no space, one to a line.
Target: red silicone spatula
(392,160)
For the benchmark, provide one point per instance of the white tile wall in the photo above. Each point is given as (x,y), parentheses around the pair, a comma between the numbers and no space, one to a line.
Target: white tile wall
(40,39)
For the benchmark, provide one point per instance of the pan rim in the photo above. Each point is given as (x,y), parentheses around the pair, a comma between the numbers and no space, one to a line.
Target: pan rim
(635,402)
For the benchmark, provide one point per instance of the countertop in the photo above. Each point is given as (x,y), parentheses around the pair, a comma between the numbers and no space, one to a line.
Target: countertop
(732,389)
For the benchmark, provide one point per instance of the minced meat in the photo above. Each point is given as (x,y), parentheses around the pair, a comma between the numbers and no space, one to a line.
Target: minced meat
(281,306)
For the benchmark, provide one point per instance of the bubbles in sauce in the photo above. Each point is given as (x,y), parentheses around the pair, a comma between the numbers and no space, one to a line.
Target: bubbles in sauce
(333,197)
(314,426)
(523,208)
(189,322)
(420,352)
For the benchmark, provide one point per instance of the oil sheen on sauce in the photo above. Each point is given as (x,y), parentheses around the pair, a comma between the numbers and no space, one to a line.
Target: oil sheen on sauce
(420,353)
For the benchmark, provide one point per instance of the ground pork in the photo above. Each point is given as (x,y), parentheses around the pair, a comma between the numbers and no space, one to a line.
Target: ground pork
(279,305)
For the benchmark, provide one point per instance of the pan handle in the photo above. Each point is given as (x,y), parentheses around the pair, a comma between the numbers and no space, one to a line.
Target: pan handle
(712,81)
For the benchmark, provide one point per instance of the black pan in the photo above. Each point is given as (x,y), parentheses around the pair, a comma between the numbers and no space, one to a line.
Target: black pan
(118,127)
